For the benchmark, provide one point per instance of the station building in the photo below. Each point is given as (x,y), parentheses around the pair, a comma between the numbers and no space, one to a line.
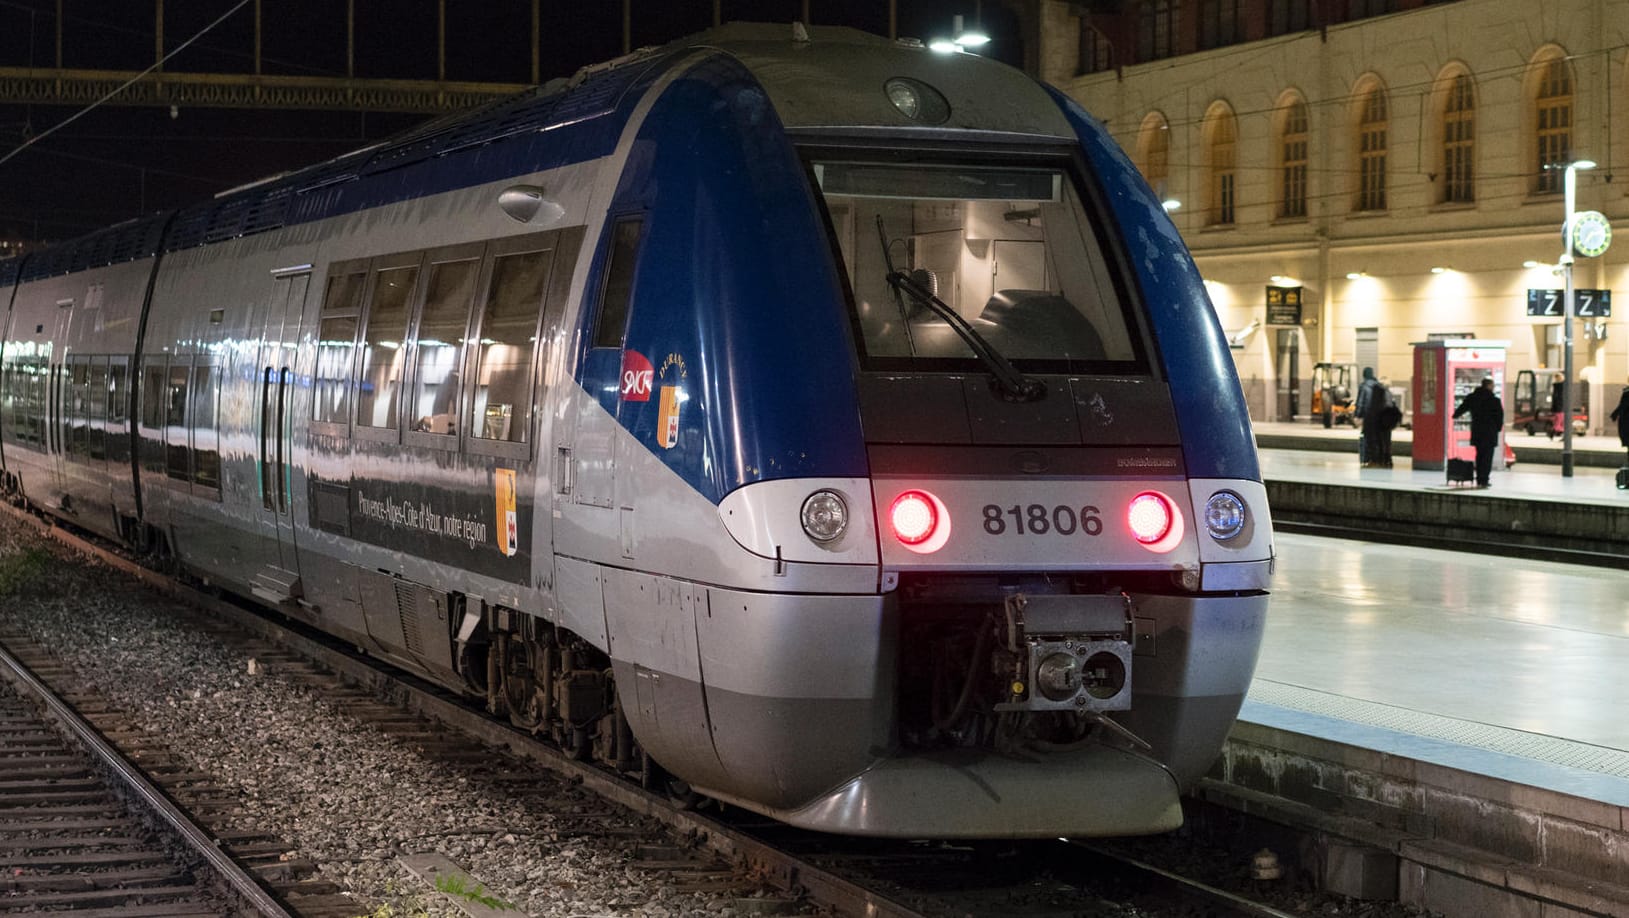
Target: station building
(1396,166)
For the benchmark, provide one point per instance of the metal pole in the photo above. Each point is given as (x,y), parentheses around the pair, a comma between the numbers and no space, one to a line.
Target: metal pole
(1570,183)
(536,52)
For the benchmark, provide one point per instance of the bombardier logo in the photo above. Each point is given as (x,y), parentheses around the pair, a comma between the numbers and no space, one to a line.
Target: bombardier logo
(637,375)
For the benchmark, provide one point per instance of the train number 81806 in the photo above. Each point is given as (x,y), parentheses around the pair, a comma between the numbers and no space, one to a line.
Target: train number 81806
(1039,519)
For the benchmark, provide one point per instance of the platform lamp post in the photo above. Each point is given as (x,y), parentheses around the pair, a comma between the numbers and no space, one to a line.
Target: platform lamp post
(1570,184)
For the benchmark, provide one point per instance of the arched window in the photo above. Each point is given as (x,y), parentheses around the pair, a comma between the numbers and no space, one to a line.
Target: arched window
(1373,121)
(1292,157)
(1552,121)
(1458,140)
(1156,29)
(1095,53)
(1154,152)
(1221,155)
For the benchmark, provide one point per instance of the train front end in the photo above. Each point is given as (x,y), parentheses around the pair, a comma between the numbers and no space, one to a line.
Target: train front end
(1060,496)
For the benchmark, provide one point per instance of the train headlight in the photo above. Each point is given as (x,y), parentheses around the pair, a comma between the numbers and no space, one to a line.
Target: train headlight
(1155,521)
(917,100)
(825,516)
(920,521)
(1224,515)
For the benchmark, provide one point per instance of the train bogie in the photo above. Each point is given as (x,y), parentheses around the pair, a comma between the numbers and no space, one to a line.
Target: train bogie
(809,420)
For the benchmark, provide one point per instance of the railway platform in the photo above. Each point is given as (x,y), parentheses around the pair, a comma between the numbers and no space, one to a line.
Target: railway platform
(1315,484)
(1452,721)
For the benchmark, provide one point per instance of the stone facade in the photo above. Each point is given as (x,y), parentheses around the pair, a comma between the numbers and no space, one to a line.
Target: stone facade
(1378,273)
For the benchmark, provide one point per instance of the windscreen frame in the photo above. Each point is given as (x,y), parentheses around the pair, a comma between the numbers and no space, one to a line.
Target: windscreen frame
(1066,158)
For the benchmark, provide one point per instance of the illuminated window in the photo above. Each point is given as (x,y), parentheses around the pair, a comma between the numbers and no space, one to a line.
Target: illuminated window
(1154,152)
(1292,161)
(1459,142)
(1371,136)
(1221,135)
(384,336)
(1552,111)
(336,347)
(438,355)
(508,330)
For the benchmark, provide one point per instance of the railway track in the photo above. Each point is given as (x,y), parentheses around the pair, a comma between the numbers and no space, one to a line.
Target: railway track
(84,832)
(766,867)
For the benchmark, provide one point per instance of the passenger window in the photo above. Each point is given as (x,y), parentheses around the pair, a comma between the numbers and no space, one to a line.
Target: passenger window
(612,324)
(78,413)
(336,344)
(175,424)
(383,335)
(439,356)
(503,372)
(98,396)
(206,456)
(153,408)
(118,412)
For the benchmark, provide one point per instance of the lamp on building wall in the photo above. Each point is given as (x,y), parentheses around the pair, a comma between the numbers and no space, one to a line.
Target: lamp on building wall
(962,40)
(1571,188)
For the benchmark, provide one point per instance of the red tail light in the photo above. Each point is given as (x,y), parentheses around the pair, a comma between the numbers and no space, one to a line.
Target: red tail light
(1155,521)
(914,517)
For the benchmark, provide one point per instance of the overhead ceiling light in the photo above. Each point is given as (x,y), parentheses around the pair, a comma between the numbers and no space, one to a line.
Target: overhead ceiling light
(1170,204)
(1354,275)
(1284,280)
(1530,263)
(1440,270)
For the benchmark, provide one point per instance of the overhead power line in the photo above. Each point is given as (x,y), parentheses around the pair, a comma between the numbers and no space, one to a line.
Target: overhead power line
(122,87)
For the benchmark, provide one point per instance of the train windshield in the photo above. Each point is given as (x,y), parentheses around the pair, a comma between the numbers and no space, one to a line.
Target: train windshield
(1010,250)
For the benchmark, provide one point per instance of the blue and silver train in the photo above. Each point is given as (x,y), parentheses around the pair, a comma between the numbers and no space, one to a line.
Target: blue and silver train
(794,417)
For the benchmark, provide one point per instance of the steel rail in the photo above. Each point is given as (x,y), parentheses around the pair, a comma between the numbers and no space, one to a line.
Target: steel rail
(1237,904)
(246,887)
(779,868)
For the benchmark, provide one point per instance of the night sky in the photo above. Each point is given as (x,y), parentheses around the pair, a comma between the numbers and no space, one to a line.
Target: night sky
(116,163)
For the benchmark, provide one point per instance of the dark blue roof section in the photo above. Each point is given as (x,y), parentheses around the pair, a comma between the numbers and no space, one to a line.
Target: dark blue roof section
(9,269)
(530,132)
(128,241)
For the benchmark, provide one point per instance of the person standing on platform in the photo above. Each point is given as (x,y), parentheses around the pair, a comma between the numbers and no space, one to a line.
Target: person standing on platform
(1487,419)
(1621,415)
(1372,399)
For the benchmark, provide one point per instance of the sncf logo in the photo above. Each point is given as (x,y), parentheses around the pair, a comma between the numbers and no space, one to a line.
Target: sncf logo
(637,374)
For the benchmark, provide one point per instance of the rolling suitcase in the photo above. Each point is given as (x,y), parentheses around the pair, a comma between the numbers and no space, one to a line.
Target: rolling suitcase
(1461,471)
(1623,478)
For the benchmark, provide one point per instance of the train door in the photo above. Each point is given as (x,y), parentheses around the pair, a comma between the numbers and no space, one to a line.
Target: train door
(1289,373)
(275,439)
(57,392)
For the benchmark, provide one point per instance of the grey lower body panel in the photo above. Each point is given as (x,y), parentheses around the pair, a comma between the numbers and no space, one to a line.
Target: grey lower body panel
(1095,791)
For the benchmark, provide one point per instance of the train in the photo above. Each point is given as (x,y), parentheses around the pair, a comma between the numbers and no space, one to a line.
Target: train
(785,416)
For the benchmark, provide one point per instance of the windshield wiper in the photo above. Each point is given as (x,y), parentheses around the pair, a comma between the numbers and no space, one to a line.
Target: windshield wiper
(1013,384)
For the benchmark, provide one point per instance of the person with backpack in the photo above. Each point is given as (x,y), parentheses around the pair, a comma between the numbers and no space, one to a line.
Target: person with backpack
(1373,400)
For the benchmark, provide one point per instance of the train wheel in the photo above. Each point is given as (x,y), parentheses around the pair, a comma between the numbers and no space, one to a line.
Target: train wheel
(520,660)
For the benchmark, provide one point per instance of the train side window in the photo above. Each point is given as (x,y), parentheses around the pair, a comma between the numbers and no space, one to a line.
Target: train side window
(98,396)
(612,324)
(206,454)
(77,413)
(336,346)
(153,374)
(438,354)
(503,372)
(118,410)
(384,336)
(176,460)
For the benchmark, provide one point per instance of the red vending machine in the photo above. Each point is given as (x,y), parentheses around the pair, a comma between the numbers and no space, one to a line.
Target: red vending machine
(1444,373)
